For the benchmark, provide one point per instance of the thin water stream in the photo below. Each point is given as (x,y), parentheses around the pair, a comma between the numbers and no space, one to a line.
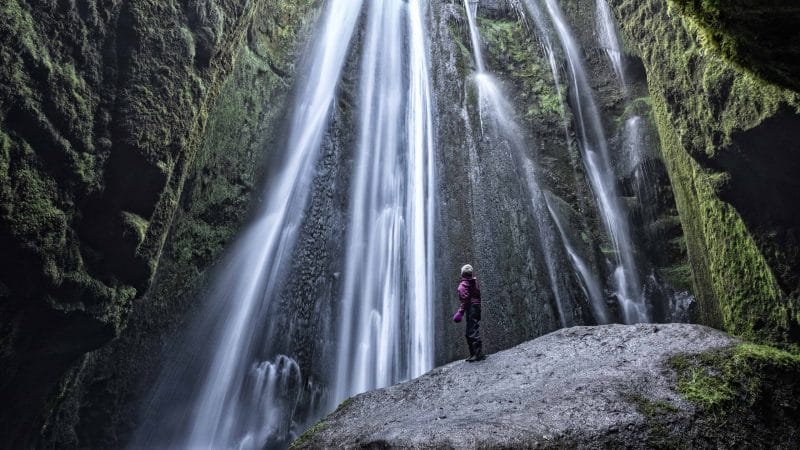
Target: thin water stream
(597,161)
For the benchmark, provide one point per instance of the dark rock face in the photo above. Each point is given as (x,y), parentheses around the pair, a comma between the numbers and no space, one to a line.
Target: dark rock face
(484,210)
(589,387)
(244,127)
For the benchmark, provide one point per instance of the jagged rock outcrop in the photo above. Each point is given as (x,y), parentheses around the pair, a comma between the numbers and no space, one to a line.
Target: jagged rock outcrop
(639,386)
(730,140)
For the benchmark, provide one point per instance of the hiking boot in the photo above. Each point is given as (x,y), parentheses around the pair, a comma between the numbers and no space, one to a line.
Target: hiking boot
(471,358)
(479,356)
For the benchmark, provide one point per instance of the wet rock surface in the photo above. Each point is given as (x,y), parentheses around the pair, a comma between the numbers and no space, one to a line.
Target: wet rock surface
(584,386)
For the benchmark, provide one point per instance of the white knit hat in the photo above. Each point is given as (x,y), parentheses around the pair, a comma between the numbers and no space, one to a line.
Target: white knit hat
(466,269)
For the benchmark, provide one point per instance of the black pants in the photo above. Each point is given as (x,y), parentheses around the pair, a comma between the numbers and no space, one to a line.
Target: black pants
(473,328)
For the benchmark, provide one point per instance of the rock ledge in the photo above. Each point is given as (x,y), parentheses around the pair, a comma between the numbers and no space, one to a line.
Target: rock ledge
(583,386)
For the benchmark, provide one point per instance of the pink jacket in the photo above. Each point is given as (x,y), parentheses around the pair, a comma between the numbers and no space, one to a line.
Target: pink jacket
(469,291)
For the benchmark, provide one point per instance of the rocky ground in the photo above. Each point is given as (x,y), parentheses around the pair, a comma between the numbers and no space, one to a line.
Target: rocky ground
(623,386)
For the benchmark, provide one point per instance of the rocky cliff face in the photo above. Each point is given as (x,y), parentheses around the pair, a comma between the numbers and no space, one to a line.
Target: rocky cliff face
(642,386)
(729,137)
(104,116)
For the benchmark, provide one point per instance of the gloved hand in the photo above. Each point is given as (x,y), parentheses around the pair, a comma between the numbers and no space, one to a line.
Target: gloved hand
(457,316)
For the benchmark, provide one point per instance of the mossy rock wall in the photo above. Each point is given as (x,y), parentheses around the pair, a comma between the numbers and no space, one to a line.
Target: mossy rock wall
(759,36)
(104,116)
(730,140)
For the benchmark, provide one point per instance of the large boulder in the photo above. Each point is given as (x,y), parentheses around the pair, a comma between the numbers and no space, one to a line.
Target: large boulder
(638,386)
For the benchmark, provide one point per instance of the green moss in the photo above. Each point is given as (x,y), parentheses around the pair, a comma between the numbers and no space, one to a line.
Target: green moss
(29,202)
(679,276)
(657,413)
(511,48)
(465,52)
(135,224)
(654,408)
(320,426)
(724,381)
(751,34)
(5,158)
(18,18)
(636,107)
(347,402)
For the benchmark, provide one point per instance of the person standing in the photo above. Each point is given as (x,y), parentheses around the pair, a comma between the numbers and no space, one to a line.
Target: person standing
(469,296)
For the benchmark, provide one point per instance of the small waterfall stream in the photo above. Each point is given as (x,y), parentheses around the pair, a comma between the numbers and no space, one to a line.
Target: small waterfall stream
(588,280)
(609,41)
(596,159)
(635,152)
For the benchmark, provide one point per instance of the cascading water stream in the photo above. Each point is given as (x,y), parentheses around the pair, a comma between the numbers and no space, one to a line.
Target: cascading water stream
(588,280)
(609,41)
(235,327)
(635,151)
(597,162)
(421,198)
(493,104)
(386,332)
(639,166)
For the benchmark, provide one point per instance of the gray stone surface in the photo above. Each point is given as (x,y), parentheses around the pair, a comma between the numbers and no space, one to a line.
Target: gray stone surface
(576,386)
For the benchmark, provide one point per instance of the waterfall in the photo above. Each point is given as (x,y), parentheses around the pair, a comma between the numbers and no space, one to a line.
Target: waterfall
(596,160)
(422,200)
(386,332)
(471,8)
(588,280)
(634,133)
(234,384)
(215,374)
(639,167)
(230,385)
(493,104)
(609,41)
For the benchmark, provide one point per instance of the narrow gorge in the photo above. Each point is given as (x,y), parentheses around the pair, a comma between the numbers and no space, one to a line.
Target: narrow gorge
(240,224)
